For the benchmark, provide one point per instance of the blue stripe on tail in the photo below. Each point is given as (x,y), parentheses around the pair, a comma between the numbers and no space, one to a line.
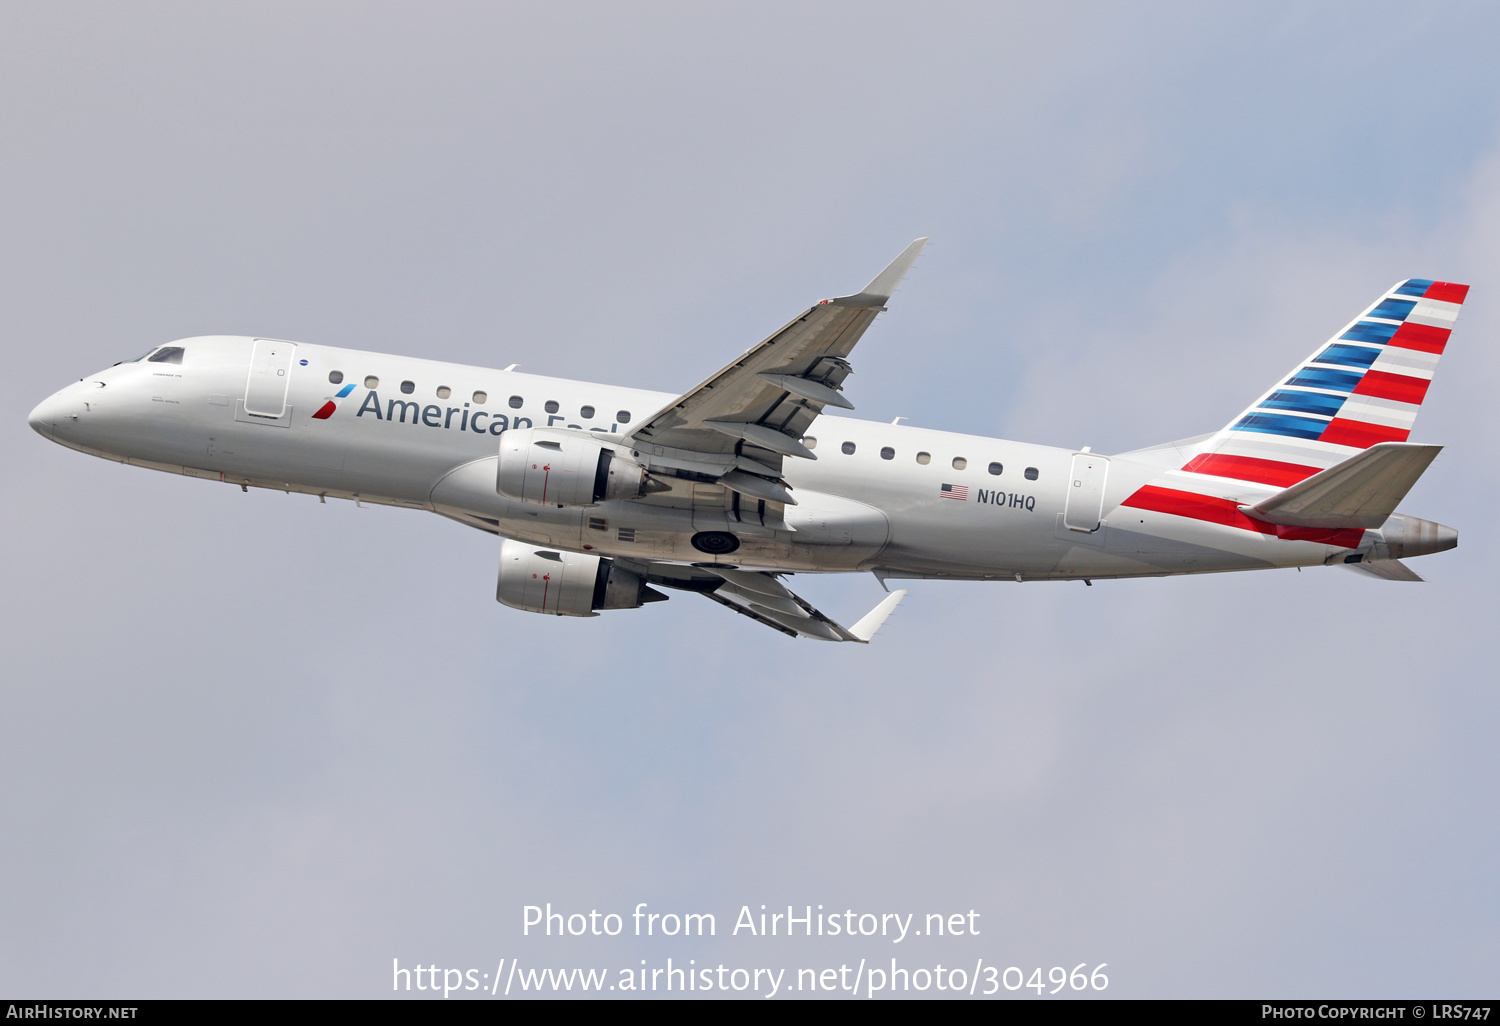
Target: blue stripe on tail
(1316,403)
(1280,424)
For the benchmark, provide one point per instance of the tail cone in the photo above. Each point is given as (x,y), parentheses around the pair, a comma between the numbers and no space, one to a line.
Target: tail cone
(1411,536)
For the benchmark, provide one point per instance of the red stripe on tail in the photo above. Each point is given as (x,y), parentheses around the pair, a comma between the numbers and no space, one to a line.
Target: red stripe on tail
(1359,434)
(1216,510)
(1248,468)
(1446,292)
(1422,337)
(1401,387)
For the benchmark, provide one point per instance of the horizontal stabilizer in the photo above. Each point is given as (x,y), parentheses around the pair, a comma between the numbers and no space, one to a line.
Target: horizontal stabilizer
(1385,569)
(1361,492)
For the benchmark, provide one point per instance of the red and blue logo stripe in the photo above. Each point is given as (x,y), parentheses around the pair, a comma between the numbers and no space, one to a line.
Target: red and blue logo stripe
(326,410)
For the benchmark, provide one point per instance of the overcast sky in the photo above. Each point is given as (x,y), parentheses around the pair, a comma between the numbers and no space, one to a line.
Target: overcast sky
(259,746)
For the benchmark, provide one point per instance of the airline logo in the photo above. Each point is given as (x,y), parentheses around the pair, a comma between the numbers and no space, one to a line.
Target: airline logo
(449,418)
(326,410)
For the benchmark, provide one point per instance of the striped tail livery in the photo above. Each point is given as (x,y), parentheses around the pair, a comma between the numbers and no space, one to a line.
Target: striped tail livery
(1330,440)
(1362,387)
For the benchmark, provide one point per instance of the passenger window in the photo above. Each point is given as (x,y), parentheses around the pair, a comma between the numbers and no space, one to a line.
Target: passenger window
(515,402)
(371,381)
(848,448)
(335,377)
(623,416)
(924,458)
(810,442)
(888,453)
(167,354)
(1031,473)
(444,391)
(480,398)
(550,406)
(996,468)
(408,387)
(959,463)
(587,413)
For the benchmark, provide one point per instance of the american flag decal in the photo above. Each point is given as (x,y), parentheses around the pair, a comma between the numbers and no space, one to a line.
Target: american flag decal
(959,492)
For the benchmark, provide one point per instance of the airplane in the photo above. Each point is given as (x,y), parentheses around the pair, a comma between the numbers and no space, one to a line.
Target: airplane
(608,498)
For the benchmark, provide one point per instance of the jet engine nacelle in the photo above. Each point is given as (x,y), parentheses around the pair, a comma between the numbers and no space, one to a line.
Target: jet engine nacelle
(556,467)
(566,583)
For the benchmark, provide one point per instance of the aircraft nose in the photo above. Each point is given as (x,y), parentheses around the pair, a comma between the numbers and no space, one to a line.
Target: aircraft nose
(58,410)
(42,416)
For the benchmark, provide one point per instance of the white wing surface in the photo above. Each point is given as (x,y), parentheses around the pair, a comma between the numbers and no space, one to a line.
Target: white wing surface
(739,424)
(763,598)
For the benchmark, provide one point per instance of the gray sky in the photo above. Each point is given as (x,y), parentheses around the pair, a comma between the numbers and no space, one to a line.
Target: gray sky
(258,746)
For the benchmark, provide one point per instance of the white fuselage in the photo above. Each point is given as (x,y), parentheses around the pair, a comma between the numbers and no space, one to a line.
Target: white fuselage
(879,507)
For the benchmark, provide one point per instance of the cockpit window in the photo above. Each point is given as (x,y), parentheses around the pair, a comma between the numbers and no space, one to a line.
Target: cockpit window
(137,359)
(166,354)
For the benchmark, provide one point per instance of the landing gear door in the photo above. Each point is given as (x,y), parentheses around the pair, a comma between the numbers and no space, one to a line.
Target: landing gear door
(1085,503)
(270,374)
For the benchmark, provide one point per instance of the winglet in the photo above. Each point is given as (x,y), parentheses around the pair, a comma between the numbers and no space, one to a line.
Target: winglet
(878,291)
(871,622)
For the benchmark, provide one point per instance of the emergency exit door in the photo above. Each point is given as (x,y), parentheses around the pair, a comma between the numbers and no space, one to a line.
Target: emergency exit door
(1085,502)
(270,374)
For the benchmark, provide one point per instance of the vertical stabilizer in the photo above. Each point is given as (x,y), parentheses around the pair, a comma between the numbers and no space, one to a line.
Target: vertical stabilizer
(1362,387)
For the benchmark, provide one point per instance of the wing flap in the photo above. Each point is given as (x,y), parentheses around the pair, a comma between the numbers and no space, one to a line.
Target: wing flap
(769,598)
(752,614)
(763,598)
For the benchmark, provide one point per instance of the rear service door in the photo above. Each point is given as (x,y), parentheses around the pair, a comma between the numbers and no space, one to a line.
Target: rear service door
(270,374)
(1085,492)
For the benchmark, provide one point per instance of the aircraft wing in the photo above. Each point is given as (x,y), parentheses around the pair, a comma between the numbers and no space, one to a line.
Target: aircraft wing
(741,422)
(763,598)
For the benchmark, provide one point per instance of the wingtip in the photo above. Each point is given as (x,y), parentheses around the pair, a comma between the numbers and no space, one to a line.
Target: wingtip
(883,286)
(872,621)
